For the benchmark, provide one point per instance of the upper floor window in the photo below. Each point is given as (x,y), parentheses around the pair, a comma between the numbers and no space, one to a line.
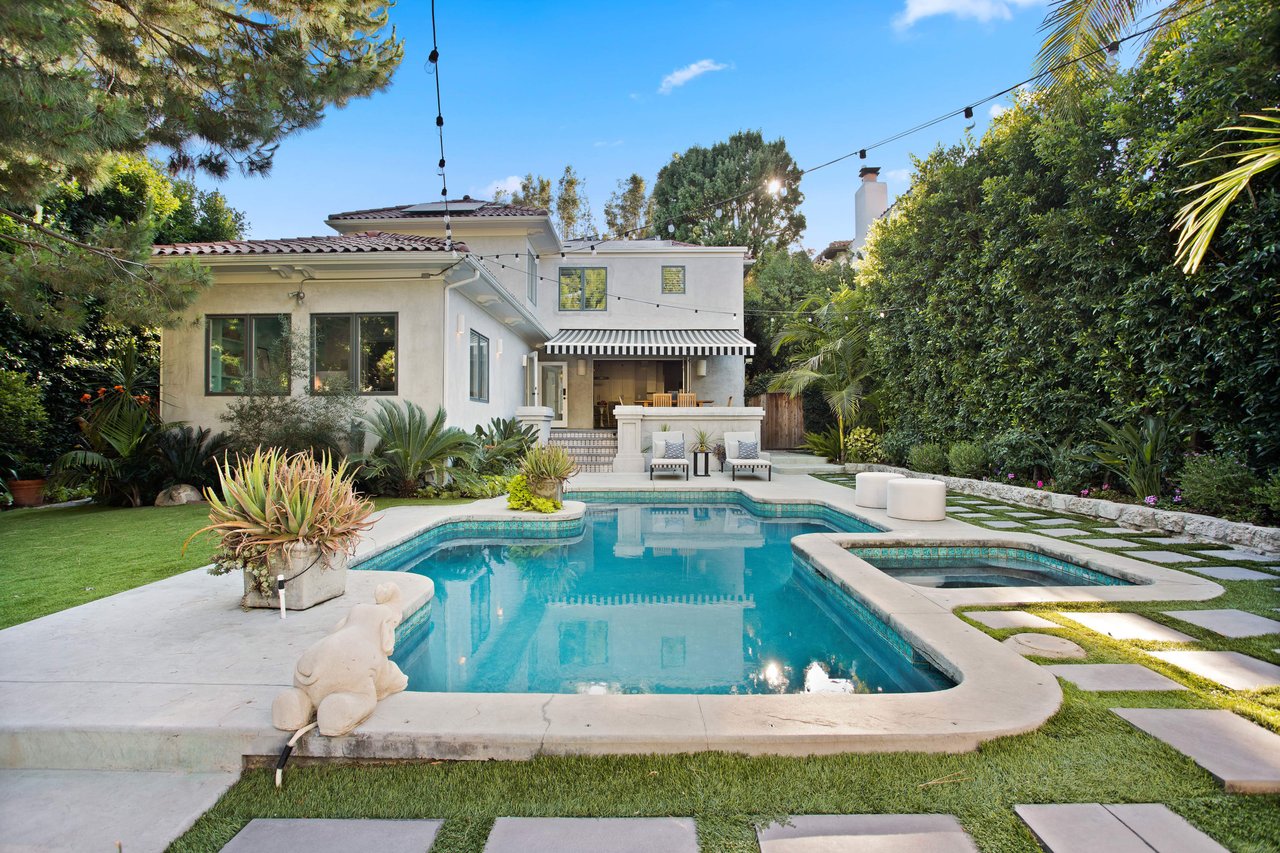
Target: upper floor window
(583,289)
(479,367)
(247,353)
(353,351)
(673,279)
(531,264)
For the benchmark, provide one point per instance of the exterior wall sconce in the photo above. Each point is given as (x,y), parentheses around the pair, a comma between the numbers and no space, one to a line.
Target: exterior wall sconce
(524,360)
(582,367)
(462,324)
(700,367)
(499,348)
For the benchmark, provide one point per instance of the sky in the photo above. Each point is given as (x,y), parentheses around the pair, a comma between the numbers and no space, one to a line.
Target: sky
(618,88)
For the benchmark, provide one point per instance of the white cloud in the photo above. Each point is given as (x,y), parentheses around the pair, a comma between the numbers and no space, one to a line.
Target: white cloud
(509,185)
(978,10)
(683,75)
(997,109)
(898,176)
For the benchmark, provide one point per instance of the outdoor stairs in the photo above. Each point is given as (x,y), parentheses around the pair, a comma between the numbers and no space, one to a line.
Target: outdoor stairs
(592,449)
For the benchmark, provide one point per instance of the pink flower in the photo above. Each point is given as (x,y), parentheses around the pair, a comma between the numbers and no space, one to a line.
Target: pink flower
(1106,486)
(1011,476)
(1084,493)
(1039,484)
(1150,500)
(1177,499)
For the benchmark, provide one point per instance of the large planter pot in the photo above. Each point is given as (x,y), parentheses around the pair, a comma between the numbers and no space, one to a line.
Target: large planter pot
(26,492)
(550,489)
(309,578)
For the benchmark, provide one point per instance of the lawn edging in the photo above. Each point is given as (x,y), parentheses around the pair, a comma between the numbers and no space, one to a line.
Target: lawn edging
(1203,527)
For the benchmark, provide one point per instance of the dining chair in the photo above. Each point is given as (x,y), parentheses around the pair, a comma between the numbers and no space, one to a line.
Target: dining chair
(661,400)
(686,399)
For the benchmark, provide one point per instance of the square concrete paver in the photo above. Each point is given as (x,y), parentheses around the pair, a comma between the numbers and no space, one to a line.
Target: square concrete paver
(1005,525)
(1026,515)
(1093,828)
(328,835)
(1011,619)
(1116,530)
(1243,756)
(1233,573)
(1061,531)
(1129,626)
(1170,540)
(975,515)
(1163,557)
(1230,669)
(867,833)
(597,834)
(1248,556)
(1109,543)
(1047,522)
(1105,677)
(1228,623)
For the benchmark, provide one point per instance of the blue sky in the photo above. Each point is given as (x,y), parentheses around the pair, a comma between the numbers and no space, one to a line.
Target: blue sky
(532,86)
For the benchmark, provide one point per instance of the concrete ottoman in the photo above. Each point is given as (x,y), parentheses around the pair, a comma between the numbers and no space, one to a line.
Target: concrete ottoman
(916,499)
(869,488)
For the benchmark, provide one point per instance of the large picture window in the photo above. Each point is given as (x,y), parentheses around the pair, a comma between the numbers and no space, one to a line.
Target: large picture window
(247,353)
(583,289)
(673,279)
(353,352)
(479,367)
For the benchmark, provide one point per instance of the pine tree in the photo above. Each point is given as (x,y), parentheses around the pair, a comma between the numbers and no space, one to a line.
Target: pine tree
(628,208)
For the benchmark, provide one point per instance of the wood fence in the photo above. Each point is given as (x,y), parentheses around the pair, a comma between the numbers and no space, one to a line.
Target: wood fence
(783,426)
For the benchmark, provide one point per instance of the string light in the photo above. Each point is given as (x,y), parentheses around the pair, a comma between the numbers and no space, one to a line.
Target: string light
(434,59)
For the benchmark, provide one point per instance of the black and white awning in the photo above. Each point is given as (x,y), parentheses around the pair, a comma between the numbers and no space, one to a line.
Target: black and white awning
(649,342)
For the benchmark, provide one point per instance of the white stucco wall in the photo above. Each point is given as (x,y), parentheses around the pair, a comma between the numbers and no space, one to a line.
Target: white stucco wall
(506,375)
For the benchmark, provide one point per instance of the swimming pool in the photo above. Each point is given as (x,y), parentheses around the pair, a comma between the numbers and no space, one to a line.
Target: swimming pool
(964,567)
(672,597)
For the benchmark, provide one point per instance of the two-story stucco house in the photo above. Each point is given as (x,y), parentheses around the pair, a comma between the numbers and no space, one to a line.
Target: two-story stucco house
(474,306)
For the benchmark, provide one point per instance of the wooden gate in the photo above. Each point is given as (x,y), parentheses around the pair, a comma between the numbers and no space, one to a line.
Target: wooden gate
(783,426)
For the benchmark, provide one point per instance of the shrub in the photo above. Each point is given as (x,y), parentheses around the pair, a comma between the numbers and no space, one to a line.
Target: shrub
(1072,467)
(1140,454)
(315,423)
(119,453)
(863,445)
(824,444)
(499,446)
(896,444)
(1267,497)
(412,447)
(190,455)
(520,498)
(928,459)
(1219,484)
(23,419)
(967,459)
(1019,451)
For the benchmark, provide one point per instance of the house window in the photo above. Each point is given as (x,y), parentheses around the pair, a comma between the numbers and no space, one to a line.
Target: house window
(247,353)
(353,352)
(583,289)
(673,279)
(479,367)
(531,271)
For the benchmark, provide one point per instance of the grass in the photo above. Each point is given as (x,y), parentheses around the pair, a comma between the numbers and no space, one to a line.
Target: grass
(1085,753)
(52,559)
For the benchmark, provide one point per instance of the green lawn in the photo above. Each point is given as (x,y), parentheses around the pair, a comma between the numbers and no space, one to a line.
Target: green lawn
(52,559)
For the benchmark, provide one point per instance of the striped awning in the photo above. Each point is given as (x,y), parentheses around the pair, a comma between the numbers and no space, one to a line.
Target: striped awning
(649,342)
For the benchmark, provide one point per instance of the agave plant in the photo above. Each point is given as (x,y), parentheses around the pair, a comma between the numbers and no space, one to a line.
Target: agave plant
(547,464)
(412,447)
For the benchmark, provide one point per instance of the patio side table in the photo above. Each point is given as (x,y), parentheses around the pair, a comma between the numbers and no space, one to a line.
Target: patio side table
(705,456)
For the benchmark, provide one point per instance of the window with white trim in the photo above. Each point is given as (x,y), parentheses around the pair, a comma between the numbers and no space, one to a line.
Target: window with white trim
(584,289)
(479,367)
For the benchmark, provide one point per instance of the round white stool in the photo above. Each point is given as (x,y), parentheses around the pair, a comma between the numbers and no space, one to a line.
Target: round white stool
(916,499)
(869,488)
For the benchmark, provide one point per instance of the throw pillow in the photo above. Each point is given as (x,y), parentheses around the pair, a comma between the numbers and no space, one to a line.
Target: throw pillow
(675,450)
(748,450)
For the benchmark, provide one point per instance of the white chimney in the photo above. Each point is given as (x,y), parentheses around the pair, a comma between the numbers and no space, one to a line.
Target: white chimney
(869,204)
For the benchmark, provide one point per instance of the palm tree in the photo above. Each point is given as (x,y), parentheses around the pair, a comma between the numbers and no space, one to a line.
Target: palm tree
(412,446)
(829,336)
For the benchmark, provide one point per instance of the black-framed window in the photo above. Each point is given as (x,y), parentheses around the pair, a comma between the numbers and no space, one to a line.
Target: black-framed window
(479,367)
(584,289)
(531,262)
(246,352)
(354,351)
(673,280)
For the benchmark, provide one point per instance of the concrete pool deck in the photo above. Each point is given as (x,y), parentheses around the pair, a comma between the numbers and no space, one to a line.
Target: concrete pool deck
(174,676)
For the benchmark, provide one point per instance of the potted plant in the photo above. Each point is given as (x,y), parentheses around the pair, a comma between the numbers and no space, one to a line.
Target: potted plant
(545,469)
(293,515)
(702,440)
(25,481)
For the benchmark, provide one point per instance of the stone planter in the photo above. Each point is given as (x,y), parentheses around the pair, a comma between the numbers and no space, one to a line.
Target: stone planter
(309,579)
(551,489)
(26,492)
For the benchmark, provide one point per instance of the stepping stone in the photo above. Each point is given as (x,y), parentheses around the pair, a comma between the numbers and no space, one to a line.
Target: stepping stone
(975,515)
(1129,626)
(1109,543)
(1005,525)
(1048,522)
(1104,677)
(1248,556)
(866,833)
(1136,828)
(1230,669)
(326,835)
(1062,531)
(1228,623)
(1163,557)
(1171,540)
(991,506)
(597,834)
(1233,573)
(1243,756)
(1117,530)
(1045,646)
(1026,515)
(1010,619)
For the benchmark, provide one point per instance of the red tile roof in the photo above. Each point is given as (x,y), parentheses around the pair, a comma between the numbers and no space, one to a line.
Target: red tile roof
(401,211)
(360,241)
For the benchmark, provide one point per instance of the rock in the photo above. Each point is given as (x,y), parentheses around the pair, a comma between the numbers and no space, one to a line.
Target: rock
(179,495)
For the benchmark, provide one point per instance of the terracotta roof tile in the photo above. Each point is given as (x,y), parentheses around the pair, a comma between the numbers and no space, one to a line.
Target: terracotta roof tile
(401,211)
(360,241)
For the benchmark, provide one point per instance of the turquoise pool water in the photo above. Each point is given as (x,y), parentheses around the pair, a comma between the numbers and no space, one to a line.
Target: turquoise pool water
(646,598)
(964,567)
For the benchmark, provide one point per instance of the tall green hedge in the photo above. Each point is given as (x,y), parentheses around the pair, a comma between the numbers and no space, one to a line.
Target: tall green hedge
(1028,280)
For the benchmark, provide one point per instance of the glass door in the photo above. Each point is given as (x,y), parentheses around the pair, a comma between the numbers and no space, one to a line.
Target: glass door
(555,391)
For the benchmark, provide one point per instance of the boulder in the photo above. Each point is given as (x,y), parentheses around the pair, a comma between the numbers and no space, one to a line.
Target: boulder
(179,495)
